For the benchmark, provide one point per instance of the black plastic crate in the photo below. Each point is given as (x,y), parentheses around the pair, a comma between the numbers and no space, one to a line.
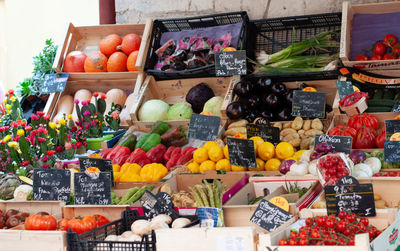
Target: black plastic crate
(275,34)
(177,24)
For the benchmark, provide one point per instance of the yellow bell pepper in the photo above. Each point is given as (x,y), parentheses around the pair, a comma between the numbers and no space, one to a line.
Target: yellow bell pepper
(128,167)
(130,177)
(117,176)
(153,172)
(116,168)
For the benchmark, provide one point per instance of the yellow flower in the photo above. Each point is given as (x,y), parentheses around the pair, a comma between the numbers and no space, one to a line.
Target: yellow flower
(61,122)
(13,144)
(8,111)
(7,138)
(20,132)
(13,98)
(8,107)
(52,125)
(69,116)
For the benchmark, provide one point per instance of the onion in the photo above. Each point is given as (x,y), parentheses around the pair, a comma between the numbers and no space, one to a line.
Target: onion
(357,156)
(285,166)
(323,148)
(315,155)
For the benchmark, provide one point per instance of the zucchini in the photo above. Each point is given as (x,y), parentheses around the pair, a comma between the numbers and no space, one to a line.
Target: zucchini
(388,94)
(380,103)
(160,128)
(379,109)
(129,142)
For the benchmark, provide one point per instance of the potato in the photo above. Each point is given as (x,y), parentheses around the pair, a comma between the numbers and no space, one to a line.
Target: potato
(319,205)
(307,125)
(297,123)
(239,123)
(277,124)
(290,137)
(305,143)
(380,204)
(287,125)
(295,142)
(287,131)
(313,132)
(377,196)
(235,130)
(317,124)
(301,132)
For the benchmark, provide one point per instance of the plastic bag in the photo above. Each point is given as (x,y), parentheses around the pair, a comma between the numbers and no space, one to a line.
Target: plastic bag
(332,167)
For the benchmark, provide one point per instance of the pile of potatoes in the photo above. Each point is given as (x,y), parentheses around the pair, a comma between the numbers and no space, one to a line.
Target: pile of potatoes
(300,133)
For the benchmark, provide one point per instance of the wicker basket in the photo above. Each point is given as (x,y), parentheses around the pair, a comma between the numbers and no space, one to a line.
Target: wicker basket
(356,108)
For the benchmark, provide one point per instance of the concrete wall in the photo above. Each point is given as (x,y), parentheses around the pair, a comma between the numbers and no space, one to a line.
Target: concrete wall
(26,24)
(136,11)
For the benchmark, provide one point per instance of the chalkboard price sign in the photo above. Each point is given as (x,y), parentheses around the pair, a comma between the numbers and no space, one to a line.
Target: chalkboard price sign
(51,184)
(154,205)
(391,151)
(338,143)
(104,165)
(204,127)
(308,104)
(396,106)
(344,88)
(54,82)
(92,191)
(391,126)
(241,152)
(269,216)
(267,133)
(349,195)
(229,63)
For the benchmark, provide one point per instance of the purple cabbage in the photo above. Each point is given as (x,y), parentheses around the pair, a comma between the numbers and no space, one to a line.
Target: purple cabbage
(323,148)
(357,156)
(285,166)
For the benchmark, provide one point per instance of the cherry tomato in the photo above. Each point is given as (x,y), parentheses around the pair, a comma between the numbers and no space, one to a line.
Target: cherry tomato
(388,57)
(389,40)
(303,241)
(351,217)
(329,223)
(342,215)
(292,242)
(351,242)
(341,226)
(361,58)
(396,49)
(315,234)
(379,49)
(321,221)
(376,57)
(347,232)
(364,221)
(282,242)
(293,234)
(309,221)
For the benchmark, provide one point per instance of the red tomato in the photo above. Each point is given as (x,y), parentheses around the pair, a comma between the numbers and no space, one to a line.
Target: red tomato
(389,40)
(292,242)
(282,242)
(361,58)
(303,241)
(63,225)
(396,49)
(40,222)
(342,130)
(356,121)
(364,221)
(365,138)
(100,220)
(82,225)
(376,57)
(379,49)
(388,56)
(380,140)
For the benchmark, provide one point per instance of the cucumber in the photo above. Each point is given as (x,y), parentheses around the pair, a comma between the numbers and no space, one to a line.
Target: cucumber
(378,94)
(379,109)
(388,94)
(380,103)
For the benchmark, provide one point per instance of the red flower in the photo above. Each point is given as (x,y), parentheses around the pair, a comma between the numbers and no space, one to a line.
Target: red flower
(47,117)
(41,140)
(14,124)
(25,163)
(45,158)
(78,144)
(34,117)
(96,94)
(40,114)
(88,101)
(50,152)
(103,96)
(46,132)
(11,91)
(58,149)
(28,128)
(2,142)
(74,129)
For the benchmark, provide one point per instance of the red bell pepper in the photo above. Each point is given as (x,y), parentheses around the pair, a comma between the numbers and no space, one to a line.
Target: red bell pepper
(139,157)
(104,152)
(167,154)
(113,152)
(188,149)
(173,160)
(123,150)
(120,160)
(155,154)
(185,158)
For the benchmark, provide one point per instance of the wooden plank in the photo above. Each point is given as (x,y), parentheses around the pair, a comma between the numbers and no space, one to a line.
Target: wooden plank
(142,56)
(111,212)
(21,240)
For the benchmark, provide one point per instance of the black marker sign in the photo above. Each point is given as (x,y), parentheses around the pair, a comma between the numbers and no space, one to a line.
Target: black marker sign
(104,165)
(391,126)
(269,216)
(204,127)
(338,143)
(230,63)
(344,88)
(349,195)
(154,205)
(391,151)
(308,104)
(241,152)
(92,191)
(54,82)
(267,133)
(51,184)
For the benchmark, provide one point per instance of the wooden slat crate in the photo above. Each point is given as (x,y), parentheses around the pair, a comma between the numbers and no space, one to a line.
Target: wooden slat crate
(87,38)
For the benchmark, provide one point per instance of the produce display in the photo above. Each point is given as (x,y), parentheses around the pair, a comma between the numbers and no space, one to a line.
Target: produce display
(116,55)
(131,196)
(379,202)
(385,49)
(82,224)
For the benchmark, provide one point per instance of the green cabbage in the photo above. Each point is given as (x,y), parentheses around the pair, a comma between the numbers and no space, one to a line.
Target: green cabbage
(213,106)
(180,111)
(153,110)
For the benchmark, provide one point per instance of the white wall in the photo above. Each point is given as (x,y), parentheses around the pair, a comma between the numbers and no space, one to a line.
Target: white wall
(26,24)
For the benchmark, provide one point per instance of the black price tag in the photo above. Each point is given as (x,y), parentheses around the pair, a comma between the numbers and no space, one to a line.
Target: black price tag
(54,82)
(338,143)
(391,151)
(204,127)
(396,106)
(267,133)
(344,88)
(241,152)
(349,195)
(391,127)
(269,216)
(308,104)
(51,184)
(92,191)
(154,205)
(229,63)
(104,165)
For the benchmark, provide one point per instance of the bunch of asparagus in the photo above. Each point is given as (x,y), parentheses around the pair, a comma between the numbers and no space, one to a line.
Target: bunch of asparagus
(210,195)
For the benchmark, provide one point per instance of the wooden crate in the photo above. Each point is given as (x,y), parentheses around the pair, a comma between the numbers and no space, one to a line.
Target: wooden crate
(173,91)
(19,239)
(104,85)
(87,38)
(111,212)
(348,12)
(384,219)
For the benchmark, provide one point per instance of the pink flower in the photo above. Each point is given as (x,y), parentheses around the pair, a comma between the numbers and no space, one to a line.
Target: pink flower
(40,114)
(14,124)
(115,115)
(93,122)
(76,101)
(41,140)
(34,117)
(45,166)
(78,144)
(74,129)
(86,113)
(84,102)
(87,126)
(45,158)
(58,149)
(47,117)
(68,146)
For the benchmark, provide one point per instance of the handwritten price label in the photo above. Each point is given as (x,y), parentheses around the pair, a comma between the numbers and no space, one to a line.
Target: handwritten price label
(280,202)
